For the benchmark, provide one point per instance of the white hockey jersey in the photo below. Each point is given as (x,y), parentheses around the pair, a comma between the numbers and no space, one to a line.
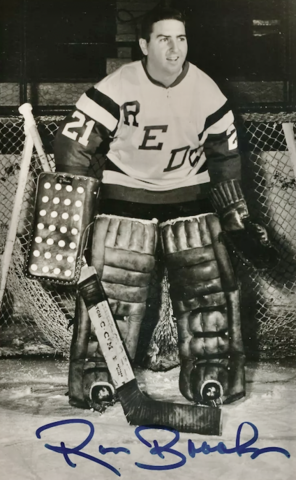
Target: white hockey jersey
(158,134)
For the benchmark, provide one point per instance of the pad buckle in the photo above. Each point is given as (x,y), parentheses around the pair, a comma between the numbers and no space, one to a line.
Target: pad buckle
(101,392)
(212,393)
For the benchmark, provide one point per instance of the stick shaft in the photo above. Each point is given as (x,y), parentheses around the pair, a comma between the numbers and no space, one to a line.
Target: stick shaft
(111,344)
(105,328)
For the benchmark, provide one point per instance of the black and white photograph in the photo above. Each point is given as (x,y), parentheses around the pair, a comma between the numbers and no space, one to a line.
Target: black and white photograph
(148,239)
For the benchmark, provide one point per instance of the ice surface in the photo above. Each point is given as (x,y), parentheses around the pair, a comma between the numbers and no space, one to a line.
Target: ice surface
(32,394)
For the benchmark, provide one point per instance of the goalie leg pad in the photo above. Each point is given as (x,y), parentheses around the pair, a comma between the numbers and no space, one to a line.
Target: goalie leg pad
(123,255)
(205,301)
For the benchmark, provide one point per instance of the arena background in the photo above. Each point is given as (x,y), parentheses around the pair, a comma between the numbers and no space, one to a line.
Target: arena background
(50,52)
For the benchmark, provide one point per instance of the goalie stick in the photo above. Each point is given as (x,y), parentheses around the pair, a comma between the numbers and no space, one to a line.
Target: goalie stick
(138,408)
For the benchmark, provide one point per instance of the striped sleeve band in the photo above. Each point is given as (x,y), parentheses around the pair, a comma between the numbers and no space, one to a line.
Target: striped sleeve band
(216,117)
(100,107)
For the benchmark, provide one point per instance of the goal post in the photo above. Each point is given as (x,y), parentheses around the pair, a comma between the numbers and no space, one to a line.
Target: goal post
(32,132)
(288,129)
(32,139)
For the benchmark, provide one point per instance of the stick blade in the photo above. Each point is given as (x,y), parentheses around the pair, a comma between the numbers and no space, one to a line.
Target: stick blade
(142,410)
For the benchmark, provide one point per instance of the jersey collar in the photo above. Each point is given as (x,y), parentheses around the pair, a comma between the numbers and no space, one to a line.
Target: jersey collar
(176,82)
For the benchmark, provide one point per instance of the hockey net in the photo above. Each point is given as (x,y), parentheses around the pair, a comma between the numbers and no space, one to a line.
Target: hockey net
(35,316)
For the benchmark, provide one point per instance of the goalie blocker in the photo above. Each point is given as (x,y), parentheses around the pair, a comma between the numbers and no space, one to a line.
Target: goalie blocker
(64,207)
(246,238)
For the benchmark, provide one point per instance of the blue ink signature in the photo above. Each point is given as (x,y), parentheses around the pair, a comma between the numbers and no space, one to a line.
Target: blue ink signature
(66,451)
(156,449)
(205,448)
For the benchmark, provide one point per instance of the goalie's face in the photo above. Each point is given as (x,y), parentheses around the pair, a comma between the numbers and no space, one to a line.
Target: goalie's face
(166,51)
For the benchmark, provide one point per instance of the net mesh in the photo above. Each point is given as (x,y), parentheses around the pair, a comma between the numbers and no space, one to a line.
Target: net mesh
(35,315)
(269,299)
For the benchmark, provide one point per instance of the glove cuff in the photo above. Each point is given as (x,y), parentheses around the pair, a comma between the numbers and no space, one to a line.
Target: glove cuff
(78,170)
(228,200)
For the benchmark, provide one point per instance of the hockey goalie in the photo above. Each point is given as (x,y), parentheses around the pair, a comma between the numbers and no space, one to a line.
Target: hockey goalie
(170,193)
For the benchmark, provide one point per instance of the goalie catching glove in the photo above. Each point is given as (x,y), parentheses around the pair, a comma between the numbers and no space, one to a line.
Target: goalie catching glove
(247,239)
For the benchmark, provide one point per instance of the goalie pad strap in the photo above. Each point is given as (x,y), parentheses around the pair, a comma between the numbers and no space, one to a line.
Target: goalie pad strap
(129,260)
(125,277)
(217,333)
(125,292)
(195,256)
(201,346)
(195,273)
(200,302)
(119,307)
(191,291)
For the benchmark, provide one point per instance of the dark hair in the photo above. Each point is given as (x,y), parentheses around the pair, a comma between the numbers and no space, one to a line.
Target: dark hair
(157,14)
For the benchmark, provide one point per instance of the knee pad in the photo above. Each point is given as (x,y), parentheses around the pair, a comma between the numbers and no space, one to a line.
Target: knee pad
(205,301)
(123,252)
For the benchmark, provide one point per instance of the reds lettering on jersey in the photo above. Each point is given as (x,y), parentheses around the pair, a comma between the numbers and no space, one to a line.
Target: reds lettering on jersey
(158,133)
